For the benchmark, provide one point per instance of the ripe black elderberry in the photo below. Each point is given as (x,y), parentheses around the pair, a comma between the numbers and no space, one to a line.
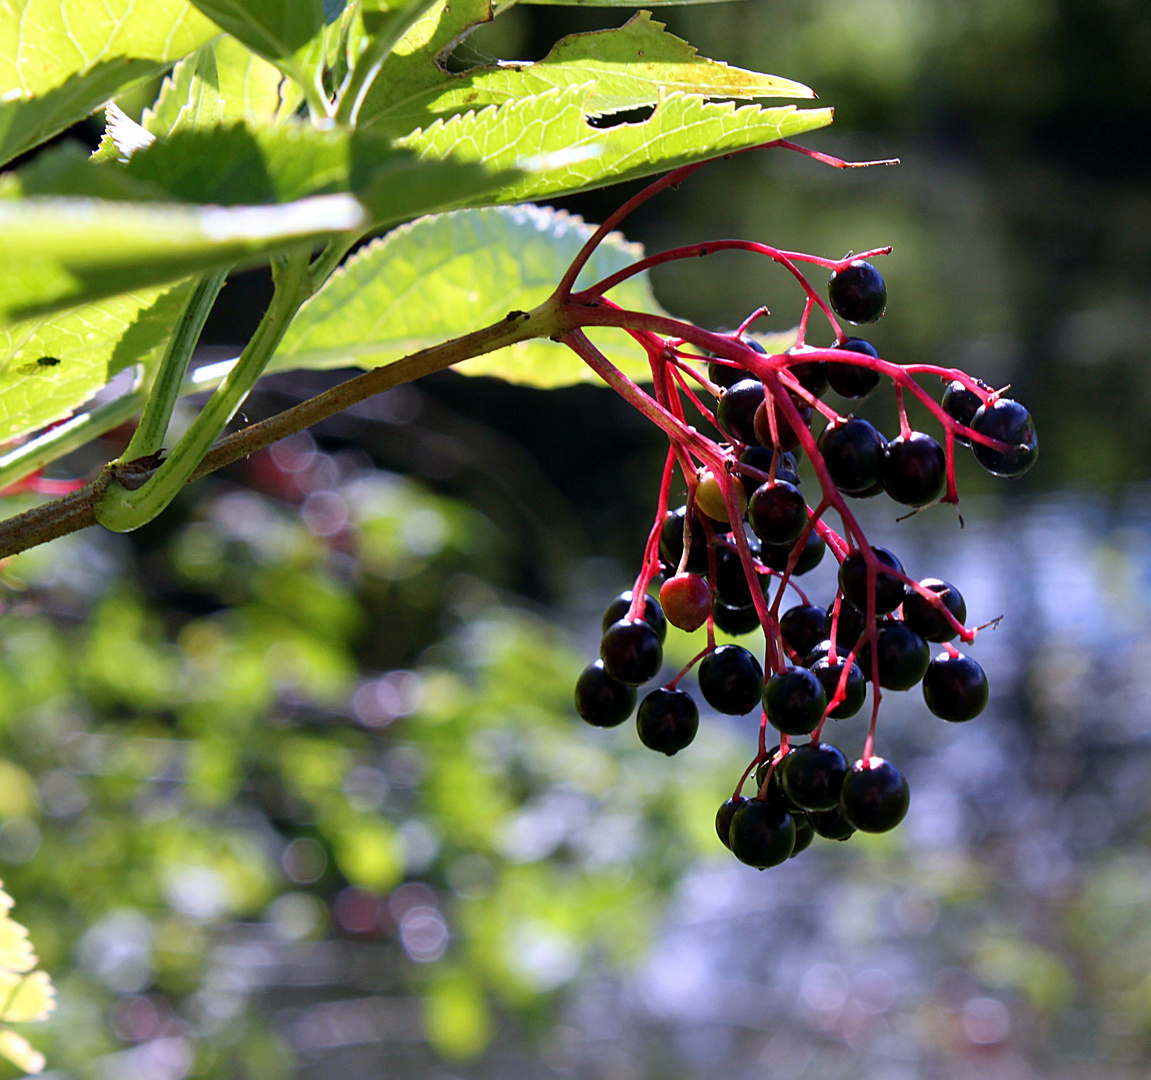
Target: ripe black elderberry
(803,627)
(760,457)
(724,375)
(1010,423)
(776,555)
(723,818)
(925,618)
(731,680)
(812,775)
(830,824)
(735,412)
(812,376)
(631,652)
(903,656)
(955,688)
(671,543)
(686,600)
(875,796)
(762,833)
(777,513)
(804,833)
(667,720)
(601,700)
(855,691)
(730,581)
(735,620)
(652,613)
(888,588)
(794,701)
(914,469)
(857,292)
(853,454)
(853,380)
(961,405)
(788,439)
(852,623)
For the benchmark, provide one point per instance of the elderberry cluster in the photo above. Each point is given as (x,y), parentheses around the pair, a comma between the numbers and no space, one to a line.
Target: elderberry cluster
(730,570)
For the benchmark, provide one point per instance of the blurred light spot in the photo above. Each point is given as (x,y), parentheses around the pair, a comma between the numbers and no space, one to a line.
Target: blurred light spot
(160,1059)
(424,531)
(985,1021)
(304,860)
(823,988)
(542,825)
(294,453)
(117,950)
(138,1018)
(358,911)
(294,916)
(403,766)
(198,892)
(378,702)
(471,875)
(916,912)
(423,934)
(548,958)
(410,895)
(421,843)
(19,841)
(61,794)
(874,990)
(366,788)
(325,513)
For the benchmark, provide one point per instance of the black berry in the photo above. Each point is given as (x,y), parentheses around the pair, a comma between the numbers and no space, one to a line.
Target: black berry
(804,834)
(601,700)
(1010,423)
(803,627)
(735,412)
(888,588)
(829,674)
(723,375)
(830,824)
(762,833)
(857,292)
(853,380)
(852,623)
(903,656)
(671,543)
(788,439)
(914,469)
(731,680)
(735,620)
(955,688)
(667,720)
(730,581)
(853,454)
(631,652)
(794,701)
(777,555)
(875,796)
(777,513)
(760,457)
(961,405)
(812,376)
(652,613)
(925,618)
(723,818)
(812,776)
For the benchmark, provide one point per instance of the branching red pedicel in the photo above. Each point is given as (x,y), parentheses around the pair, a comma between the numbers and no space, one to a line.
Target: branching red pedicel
(729,556)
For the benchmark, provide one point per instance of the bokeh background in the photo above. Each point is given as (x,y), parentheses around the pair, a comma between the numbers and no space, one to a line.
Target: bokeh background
(290,780)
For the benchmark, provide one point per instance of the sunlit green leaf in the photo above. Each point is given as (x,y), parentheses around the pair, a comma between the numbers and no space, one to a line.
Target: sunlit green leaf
(444,276)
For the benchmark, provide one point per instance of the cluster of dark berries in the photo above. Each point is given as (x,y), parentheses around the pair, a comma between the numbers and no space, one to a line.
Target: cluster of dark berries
(746,531)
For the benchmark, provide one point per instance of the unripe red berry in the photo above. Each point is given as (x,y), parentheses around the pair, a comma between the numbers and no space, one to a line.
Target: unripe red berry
(686,601)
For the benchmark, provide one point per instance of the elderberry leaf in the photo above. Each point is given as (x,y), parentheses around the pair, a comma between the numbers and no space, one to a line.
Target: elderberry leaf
(631,67)
(57,253)
(448,274)
(20,1051)
(549,139)
(51,365)
(61,59)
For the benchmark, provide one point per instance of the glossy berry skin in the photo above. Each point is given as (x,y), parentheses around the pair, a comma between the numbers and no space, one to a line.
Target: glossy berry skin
(601,700)
(794,701)
(852,623)
(762,834)
(760,457)
(851,380)
(735,412)
(686,601)
(667,720)
(788,439)
(955,688)
(722,375)
(652,613)
(914,469)
(857,292)
(925,618)
(855,691)
(723,818)
(709,498)
(671,543)
(812,376)
(961,405)
(874,797)
(774,787)
(820,652)
(804,834)
(731,680)
(730,581)
(631,652)
(853,453)
(903,656)
(777,513)
(888,589)
(735,620)
(776,555)
(1011,423)
(830,824)
(803,627)
(812,776)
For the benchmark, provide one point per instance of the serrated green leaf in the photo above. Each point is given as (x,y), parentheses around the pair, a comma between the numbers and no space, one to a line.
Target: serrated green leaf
(630,67)
(61,59)
(58,253)
(50,365)
(25,998)
(549,138)
(20,1052)
(447,275)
